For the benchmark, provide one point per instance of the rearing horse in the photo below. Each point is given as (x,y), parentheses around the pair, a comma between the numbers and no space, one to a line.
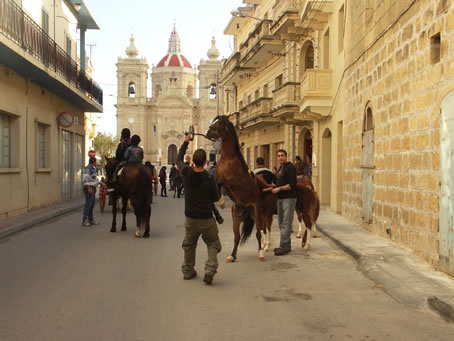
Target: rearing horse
(233,174)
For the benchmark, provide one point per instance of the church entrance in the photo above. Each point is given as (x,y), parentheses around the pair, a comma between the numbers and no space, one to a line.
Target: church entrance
(172,154)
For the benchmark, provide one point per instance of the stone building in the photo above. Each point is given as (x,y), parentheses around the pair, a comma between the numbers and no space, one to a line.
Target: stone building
(41,157)
(398,85)
(366,88)
(162,119)
(283,82)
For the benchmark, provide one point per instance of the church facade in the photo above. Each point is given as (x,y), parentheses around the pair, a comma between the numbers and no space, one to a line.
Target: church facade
(174,105)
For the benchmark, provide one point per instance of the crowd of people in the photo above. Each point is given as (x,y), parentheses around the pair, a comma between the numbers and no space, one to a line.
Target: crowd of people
(201,194)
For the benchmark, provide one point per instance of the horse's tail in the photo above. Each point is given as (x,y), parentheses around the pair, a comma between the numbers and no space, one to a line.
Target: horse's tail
(248,224)
(144,194)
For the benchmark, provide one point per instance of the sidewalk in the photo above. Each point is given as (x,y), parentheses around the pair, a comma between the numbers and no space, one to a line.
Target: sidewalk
(21,222)
(396,270)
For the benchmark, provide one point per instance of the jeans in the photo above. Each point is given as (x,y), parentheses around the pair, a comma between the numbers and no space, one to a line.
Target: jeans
(210,235)
(285,212)
(89,204)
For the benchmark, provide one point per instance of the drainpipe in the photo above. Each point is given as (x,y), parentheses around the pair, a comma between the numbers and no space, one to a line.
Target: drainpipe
(294,142)
(82,30)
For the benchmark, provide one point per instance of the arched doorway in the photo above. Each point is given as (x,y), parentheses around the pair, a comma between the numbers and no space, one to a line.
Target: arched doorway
(367,165)
(446,204)
(326,168)
(172,154)
(305,143)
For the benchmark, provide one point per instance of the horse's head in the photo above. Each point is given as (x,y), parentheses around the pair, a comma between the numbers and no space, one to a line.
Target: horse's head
(219,128)
(110,169)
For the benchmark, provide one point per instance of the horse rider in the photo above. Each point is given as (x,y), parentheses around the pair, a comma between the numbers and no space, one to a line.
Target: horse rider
(124,144)
(261,170)
(134,153)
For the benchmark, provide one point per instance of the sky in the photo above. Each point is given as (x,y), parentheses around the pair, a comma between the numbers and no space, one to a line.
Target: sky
(151,23)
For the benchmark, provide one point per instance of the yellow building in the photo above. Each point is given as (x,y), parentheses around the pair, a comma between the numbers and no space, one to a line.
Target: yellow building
(41,158)
(283,82)
(367,89)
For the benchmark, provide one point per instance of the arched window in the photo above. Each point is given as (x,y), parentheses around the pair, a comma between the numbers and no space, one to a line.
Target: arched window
(154,130)
(306,57)
(131,90)
(368,120)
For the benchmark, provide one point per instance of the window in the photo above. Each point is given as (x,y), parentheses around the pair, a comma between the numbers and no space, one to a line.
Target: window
(340,29)
(5,141)
(240,104)
(248,99)
(265,90)
(68,45)
(42,145)
(278,82)
(256,95)
(326,50)
(189,91)
(44,21)
(154,130)
(435,44)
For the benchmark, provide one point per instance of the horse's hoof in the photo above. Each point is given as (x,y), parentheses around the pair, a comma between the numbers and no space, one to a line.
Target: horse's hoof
(113,230)
(306,248)
(262,258)
(230,259)
(123,229)
(138,234)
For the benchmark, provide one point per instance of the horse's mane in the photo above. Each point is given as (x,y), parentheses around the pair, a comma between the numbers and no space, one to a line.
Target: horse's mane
(230,126)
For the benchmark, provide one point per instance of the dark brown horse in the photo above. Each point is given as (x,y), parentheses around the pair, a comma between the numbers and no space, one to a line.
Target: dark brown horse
(233,175)
(135,184)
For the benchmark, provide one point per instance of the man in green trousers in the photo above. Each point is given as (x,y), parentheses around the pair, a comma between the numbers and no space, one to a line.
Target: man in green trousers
(200,193)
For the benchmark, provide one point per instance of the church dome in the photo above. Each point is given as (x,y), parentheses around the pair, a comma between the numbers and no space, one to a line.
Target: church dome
(174,57)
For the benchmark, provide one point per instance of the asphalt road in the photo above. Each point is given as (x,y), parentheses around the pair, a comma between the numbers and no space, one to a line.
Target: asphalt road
(62,281)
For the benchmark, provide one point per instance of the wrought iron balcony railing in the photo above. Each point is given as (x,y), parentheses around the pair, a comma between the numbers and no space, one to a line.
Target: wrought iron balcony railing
(22,30)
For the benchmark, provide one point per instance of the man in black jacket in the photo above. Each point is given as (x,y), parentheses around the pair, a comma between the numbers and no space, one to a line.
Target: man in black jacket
(286,200)
(261,170)
(200,192)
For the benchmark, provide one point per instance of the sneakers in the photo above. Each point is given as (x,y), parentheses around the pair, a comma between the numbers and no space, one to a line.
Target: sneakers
(208,279)
(89,223)
(86,223)
(190,276)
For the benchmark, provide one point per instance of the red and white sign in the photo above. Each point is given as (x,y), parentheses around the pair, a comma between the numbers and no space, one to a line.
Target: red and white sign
(65,119)
(91,153)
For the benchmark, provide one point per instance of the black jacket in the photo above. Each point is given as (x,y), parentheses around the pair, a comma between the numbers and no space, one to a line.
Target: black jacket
(200,191)
(286,175)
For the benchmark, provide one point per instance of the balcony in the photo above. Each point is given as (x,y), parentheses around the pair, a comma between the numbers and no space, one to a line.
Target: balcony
(260,46)
(286,15)
(34,55)
(257,114)
(316,93)
(232,72)
(286,100)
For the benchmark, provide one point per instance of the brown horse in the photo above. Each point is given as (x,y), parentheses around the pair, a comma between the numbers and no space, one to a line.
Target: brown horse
(232,173)
(134,183)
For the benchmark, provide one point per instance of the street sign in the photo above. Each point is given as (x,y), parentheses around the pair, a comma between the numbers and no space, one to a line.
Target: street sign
(65,119)
(91,153)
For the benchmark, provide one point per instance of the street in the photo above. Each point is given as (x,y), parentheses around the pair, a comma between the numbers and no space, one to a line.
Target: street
(62,281)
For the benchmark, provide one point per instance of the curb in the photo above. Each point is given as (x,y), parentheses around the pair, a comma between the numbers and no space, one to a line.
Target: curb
(368,267)
(38,220)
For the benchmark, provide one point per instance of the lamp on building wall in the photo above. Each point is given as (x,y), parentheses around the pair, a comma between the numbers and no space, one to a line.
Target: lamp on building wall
(77,7)
(236,13)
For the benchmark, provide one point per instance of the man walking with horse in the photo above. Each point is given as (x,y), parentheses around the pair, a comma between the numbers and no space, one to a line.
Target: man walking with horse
(199,196)
(286,193)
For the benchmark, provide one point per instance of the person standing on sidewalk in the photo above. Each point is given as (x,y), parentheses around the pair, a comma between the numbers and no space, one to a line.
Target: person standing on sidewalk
(285,190)
(90,182)
(200,193)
